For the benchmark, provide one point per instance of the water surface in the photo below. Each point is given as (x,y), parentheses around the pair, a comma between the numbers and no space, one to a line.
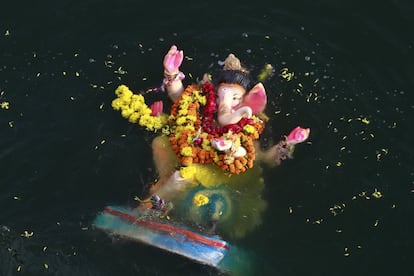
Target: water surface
(343,206)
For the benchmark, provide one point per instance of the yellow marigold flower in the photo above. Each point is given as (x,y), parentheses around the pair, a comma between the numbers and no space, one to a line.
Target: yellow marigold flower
(191,118)
(188,172)
(188,127)
(134,117)
(200,98)
(126,112)
(117,104)
(182,112)
(121,90)
(200,200)
(145,120)
(187,151)
(125,99)
(160,121)
(138,98)
(248,129)
(5,105)
(181,120)
(136,105)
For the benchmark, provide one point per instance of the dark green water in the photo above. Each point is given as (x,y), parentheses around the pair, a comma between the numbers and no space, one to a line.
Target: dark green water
(64,153)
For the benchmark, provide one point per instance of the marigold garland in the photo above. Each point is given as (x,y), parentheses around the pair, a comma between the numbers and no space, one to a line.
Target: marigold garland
(133,108)
(192,134)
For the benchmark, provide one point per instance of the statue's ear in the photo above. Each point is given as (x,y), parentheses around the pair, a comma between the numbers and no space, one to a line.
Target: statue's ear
(256,99)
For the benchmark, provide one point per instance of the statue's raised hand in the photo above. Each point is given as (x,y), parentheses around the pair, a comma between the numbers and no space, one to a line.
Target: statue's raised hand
(173,60)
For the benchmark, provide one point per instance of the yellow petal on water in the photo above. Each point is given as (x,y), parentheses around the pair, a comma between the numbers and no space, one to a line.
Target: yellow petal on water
(338,230)
(372,135)
(319,221)
(5,105)
(378,156)
(101,106)
(7,33)
(27,234)
(267,36)
(346,252)
(342,148)
(44,248)
(365,121)
(393,206)
(19,268)
(46,266)
(188,58)
(16,198)
(376,223)
(38,74)
(11,123)
(144,78)
(77,74)
(72,98)
(377,194)
(64,73)
(339,163)
(290,210)
(120,71)
(103,142)
(286,74)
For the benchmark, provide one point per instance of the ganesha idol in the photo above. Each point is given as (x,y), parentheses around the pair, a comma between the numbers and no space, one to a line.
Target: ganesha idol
(208,157)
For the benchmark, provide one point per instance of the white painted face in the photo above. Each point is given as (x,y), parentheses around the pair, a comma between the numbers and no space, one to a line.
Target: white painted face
(230,94)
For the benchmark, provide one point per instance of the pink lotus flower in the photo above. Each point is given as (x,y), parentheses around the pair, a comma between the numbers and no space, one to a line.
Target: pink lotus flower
(298,135)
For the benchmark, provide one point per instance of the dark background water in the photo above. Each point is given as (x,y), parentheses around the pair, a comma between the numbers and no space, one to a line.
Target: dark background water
(64,153)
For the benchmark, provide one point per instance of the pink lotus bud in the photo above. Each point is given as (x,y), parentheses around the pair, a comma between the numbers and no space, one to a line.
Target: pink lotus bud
(156,108)
(298,135)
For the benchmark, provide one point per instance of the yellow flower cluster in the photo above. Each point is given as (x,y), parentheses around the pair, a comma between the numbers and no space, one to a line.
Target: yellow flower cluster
(133,108)
(200,200)
(188,172)
(187,151)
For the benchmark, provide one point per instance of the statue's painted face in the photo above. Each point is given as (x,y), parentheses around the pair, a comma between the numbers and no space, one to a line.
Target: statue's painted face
(230,94)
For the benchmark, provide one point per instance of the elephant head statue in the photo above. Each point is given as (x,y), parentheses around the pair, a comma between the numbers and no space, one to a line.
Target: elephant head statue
(235,97)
